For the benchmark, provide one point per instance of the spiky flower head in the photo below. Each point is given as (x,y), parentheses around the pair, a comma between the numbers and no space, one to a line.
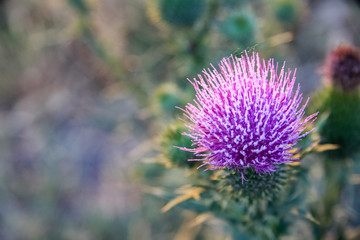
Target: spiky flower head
(342,67)
(246,115)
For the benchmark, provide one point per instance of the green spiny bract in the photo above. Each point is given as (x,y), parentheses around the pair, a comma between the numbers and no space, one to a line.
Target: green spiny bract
(256,187)
(173,137)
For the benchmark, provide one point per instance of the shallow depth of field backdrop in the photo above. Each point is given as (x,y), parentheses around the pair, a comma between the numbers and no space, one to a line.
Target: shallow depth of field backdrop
(87,88)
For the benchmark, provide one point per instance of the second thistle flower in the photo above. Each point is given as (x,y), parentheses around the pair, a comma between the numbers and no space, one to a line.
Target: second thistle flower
(246,116)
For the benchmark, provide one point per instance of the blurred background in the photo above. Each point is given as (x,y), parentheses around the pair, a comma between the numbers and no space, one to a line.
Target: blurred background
(87,87)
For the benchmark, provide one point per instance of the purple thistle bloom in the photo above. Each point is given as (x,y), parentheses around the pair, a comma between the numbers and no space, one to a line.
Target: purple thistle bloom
(247,116)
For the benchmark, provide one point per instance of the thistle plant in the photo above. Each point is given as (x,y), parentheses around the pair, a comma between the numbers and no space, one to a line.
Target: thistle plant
(242,128)
(340,101)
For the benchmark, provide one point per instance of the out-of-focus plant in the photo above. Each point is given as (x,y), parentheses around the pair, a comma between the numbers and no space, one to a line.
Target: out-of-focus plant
(240,28)
(166,97)
(173,136)
(340,125)
(181,13)
(87,32)
(3,17)
(341,100)
(286,11)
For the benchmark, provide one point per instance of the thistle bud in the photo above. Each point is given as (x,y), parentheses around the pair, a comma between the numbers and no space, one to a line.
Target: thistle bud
(181,13)
(173,137)
(342,68)
(167,97)
(341,100)
(240,28)
(286,10)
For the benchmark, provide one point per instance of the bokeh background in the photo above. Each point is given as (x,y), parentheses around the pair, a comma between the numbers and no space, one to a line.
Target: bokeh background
(87,88)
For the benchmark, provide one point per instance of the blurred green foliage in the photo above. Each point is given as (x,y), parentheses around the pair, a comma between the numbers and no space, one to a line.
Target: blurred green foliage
(81,6)
(286,10)
(182,13)
(172,138)
(342,125)
(167,98)
(240,28)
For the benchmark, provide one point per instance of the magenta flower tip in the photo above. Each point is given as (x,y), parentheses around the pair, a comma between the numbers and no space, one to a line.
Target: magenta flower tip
(246,116)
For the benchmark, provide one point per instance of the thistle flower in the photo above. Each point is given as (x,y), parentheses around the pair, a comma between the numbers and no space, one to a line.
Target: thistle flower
(342,67)
(246,116)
